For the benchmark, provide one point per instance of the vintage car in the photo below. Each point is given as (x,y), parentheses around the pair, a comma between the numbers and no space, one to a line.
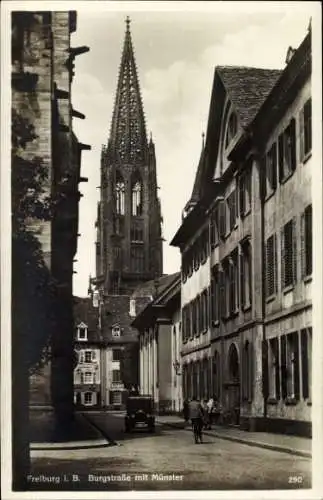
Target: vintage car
(140,413)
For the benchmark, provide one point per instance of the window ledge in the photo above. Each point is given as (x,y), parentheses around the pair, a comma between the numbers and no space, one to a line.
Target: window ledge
(288,289)
(307,157)
(247,212)
(290,401)
(270,298)
(307,279)
(272,401)
(288,176)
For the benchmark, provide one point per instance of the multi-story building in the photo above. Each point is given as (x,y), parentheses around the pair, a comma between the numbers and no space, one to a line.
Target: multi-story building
(103,373)
(129,239)
(42,74)
(88,348)
(245,296)
(159,326)
(282,134)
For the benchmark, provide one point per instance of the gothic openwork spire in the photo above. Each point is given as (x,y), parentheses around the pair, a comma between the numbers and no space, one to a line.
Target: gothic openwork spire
(128,141)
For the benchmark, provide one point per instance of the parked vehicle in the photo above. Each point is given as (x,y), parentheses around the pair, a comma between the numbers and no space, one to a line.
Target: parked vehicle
(140,413)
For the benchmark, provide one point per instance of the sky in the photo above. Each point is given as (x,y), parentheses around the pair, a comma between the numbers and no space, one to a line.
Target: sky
(176,50)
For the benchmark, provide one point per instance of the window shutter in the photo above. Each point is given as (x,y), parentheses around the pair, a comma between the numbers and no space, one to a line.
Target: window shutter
(303,262)
(267,268)
(242,282)
(277,370)
(265,369)
(222,294)
(223,216)
(281,156)
(244,373)
(274,164)
(283,366)
(293,143)
(241,195)
(93,355)
(304,351)
(251,371)
(294,243)
(301,134)
(249,257)
(236,279)
(282,259)
(296,365)
(275,265)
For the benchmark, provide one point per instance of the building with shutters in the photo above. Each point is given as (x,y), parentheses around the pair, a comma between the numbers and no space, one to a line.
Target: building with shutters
(245,295)
(89,354)
(129,236)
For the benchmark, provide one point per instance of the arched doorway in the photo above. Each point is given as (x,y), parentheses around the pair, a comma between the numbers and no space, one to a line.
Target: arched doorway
(233,386)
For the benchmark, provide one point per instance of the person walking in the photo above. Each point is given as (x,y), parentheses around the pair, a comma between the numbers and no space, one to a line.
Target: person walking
(186,410)
(205,414)
(210,410)
(196,416)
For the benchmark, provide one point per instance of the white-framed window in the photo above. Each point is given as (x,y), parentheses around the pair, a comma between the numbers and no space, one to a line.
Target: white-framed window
(88,398)
(88,356)
(116,331)
(82,331)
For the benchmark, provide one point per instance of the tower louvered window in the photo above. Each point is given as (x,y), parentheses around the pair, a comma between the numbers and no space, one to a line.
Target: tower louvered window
(136,194)
(120,195)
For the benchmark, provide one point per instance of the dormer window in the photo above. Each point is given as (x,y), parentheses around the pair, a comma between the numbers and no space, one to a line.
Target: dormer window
(116,331)
(232,128)
(82,331)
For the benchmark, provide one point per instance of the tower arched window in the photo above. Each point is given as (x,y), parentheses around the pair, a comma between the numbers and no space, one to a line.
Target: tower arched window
(136,194)
(120,195)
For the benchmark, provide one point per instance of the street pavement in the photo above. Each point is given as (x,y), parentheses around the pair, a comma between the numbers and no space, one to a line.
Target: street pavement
(165,460)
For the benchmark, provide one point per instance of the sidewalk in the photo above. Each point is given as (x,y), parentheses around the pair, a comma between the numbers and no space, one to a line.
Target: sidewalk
(278,442)
(82,434)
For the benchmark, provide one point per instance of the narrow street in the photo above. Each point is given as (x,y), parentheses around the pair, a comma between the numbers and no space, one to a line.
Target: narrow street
(167,459)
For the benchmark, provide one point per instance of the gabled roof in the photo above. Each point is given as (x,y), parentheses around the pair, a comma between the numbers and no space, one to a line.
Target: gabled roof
(247,88)
(145,316)
(84,312)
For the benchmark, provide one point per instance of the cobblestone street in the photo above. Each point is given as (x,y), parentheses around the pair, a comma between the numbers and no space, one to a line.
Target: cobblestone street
(172,456)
